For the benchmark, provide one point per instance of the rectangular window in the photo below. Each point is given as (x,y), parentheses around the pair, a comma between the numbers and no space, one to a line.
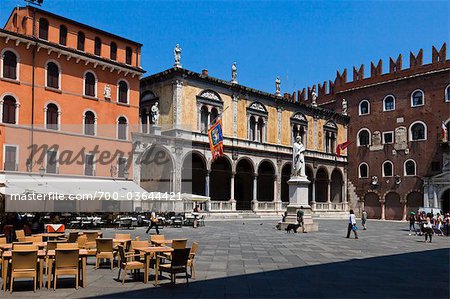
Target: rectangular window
(121,167)
(10,157)
(51,166)
(89,164)
(388,137)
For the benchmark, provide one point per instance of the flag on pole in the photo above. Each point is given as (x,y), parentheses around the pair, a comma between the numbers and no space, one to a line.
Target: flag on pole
(444,132)
(216,139)
(341,147)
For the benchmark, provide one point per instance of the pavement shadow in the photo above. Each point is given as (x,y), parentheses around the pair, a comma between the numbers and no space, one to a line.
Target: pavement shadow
(422,274)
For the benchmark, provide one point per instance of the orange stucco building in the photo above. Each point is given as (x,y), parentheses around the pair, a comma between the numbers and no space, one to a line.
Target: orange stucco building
(67,84)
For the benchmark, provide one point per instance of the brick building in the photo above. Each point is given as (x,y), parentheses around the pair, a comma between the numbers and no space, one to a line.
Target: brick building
(67,84)
(395,128)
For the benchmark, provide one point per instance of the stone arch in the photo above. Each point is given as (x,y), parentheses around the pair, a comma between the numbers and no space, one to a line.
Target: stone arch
(157,166)
(286,171)
(337,183)
(265,183)
(220,179)
(372,205)
(445,201)
(414,200)
(193,174)
(393,206)
(243,183)
(321,185)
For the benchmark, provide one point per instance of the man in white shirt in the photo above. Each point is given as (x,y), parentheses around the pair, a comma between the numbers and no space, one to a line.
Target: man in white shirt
(352,225)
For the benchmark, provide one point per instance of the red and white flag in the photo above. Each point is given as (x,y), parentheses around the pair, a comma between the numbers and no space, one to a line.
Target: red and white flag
(444,132)
(341,147)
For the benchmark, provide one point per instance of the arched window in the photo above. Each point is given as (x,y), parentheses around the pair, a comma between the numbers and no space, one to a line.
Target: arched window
(410,168)
(43,29)
(80,42)
(122,128)
(213,116)
(447,94)
(10,65)
(388,169)
(98,46)
(417,131)
(204,119)
(63,35)
(252,128)
(113,51)
(363,170)
(330,131)
(128,55)
(261,125)
(389,103)
(417,98)
(9,110)
(52,75)
(123,92)
(90,85)
(89,123)
(364,107)
(52,117)
(364,137)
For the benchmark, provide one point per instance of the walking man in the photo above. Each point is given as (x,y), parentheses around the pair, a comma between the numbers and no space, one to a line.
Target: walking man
(300,215)
(153,223)
(352,225)
(364,219)
(412,221)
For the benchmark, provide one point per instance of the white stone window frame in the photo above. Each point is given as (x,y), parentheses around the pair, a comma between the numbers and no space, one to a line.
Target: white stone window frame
(330,128)
(17,66)
(210,99)
(359,170)
(384,138)
(358,143)
(59,74)
(95,87)
(447,94)
(258,111)
(382,169)
(128,91)
(17,155)
(384,103)
(126,129)
(404,168)
(17,106)
(423,98)
(298,118)
(410,134)
(368,108)
(95,122)
(59,115)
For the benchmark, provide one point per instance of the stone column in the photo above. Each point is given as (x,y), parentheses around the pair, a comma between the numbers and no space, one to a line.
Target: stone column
(232,200)
(313,197)
(255,189)
(235,115)
(177,103)
(279,115)
(207,183)
(276,198)
(403,202)
(329,193)
(383,212)
(148,122)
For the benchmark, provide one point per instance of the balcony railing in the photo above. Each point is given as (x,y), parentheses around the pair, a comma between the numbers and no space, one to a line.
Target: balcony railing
(329,207)
(221,206)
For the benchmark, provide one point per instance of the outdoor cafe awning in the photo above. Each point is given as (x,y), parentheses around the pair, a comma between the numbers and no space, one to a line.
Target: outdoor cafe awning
(49,193)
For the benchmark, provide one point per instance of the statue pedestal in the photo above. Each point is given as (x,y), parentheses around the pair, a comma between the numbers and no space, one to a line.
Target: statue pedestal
(298,199)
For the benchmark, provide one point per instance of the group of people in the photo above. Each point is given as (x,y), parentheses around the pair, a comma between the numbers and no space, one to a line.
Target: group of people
(429,225)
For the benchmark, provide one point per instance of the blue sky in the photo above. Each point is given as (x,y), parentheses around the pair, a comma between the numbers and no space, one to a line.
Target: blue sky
(304,42)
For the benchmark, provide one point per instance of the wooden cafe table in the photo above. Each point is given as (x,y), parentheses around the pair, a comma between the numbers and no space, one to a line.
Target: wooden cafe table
(148,251)
(51,236)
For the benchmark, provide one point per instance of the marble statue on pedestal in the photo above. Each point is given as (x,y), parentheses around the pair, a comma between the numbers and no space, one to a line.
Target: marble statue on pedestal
(278,86)
(314,97)
(298,158)
(344,107)
(234,73)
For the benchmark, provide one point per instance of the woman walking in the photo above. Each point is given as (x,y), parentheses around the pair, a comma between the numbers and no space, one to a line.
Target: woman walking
(352,225)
